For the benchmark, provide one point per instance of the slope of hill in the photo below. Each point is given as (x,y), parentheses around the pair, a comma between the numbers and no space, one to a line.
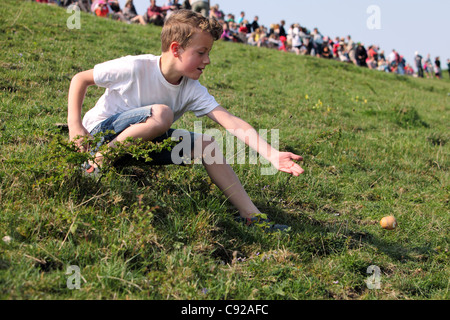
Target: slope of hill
(374,145)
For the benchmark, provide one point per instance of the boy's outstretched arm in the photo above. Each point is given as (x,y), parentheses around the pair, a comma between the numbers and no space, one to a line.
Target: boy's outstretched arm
(78,87)
(282,161)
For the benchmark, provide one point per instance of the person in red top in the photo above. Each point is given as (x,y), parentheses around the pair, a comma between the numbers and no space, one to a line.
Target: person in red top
(243,28)
(102,9)
(372,52)
(336,48)
(155,14)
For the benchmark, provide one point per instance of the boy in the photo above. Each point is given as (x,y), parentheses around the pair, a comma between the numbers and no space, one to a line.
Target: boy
(146,94)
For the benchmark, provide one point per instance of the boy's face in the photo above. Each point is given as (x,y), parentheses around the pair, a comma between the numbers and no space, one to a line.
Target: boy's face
(195,58)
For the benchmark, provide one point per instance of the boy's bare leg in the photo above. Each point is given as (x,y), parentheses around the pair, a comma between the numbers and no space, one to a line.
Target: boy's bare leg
(223,176)
(220,173)
(227,181)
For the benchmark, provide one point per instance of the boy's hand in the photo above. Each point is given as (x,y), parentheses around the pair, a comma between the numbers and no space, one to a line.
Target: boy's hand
(284,161)
(77,134)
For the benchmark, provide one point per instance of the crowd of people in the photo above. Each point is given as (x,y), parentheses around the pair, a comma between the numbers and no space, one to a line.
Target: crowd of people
(295,38)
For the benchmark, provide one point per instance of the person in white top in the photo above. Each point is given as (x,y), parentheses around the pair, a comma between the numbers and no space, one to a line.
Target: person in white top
(146,94)
(135,81)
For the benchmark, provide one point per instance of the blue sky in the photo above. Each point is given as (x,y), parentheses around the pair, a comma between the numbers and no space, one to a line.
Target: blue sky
(404,25)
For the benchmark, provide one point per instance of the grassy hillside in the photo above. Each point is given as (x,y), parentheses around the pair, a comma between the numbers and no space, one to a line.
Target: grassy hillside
(374,145)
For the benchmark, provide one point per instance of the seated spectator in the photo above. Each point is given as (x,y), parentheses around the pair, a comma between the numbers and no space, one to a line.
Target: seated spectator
(342,51)
(372,63)
(230,17)
(393,66)
(409,70)
(326,51)
(255,24)
(361,55)
(116,11)
(155,14)
(226,35)
(243,31)
(101,10)
(372,53)
(233,28)
(383,65)
(381,55)
(251,39)
(216,13)
(173,6)
(131,15)
(261,38)
(84,5)
(241,17)
(243,27)
(272,29)
(336,48)
(273,41)
(231,32)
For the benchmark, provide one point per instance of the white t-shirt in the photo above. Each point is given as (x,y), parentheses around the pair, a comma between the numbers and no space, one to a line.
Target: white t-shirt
(136,81)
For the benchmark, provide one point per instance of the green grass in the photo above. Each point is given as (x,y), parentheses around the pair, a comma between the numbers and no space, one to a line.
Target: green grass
(374,144)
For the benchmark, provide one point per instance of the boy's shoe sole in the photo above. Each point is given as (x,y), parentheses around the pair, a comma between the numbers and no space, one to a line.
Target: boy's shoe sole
(90,171)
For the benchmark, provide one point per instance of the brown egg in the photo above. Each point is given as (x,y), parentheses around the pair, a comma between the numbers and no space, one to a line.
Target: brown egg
(388,223)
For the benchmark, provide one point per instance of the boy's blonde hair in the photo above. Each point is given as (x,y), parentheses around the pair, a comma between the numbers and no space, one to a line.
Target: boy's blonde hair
(182,25)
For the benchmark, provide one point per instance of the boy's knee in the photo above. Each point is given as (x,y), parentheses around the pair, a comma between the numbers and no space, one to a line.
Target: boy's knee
(163,114)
